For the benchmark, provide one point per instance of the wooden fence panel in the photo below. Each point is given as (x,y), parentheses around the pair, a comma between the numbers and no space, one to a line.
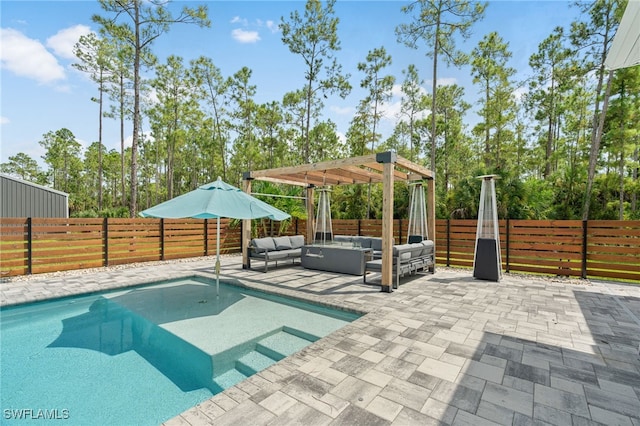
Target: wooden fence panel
(183,238)
(346,227)
(371,228)
(546,246)
(613,249)
(230,238)
(134,240)
(66,244)
(462,242)
(603,249)
(14,247)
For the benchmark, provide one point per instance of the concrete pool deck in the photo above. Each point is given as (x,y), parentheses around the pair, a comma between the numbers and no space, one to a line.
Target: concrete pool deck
(442,349)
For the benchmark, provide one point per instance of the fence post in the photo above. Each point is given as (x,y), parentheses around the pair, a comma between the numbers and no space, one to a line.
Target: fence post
(105,239)
(583,274)
(296,232)
(508,250)
(359,226)
(400,230)
(206,237)
(161,239)
(448,242)
(29,247)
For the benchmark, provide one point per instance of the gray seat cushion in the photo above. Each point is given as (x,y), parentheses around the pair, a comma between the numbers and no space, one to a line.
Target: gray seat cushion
(260,245)
(365,242)
(297,241)
(342,238)
(292,252)
(282,243)
(427,247)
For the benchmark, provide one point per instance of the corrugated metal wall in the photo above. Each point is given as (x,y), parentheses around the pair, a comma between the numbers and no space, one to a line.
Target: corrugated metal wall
(19,198)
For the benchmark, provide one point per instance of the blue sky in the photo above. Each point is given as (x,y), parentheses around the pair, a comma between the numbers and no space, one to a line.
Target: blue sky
(41,92)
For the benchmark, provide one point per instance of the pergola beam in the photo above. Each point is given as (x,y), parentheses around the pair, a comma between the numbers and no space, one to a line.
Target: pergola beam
(326,165)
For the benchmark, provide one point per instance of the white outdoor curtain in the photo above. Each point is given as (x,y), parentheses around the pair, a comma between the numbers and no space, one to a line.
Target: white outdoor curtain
(625,49)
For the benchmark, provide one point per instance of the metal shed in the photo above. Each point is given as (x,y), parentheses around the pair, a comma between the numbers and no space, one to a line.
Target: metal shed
(19,198)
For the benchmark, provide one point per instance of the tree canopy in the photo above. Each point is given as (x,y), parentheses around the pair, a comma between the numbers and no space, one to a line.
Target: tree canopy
(566,141)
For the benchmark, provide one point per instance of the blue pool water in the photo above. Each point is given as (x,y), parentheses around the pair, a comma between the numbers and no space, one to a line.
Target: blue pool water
(144,355)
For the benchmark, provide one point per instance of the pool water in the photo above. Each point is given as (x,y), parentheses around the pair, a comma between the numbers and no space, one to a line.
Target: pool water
(144,355)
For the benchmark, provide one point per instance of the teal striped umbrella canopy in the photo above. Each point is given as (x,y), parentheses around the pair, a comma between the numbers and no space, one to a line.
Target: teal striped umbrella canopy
(215,200)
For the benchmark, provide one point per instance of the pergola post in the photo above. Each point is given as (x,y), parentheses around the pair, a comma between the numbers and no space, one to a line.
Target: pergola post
(310,213)
(246,228)
(431,210)
(388,160)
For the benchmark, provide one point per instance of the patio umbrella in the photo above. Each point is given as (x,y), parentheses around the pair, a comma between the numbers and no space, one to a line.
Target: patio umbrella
(215,200)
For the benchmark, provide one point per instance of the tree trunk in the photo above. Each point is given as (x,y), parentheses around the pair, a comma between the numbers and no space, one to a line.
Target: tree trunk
(122,180)
(100,142)
(136,114)
(634,195)
(434,86)
(595,150)
(487,133)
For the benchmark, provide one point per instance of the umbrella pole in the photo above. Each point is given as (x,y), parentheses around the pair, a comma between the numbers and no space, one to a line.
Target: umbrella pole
(218,259)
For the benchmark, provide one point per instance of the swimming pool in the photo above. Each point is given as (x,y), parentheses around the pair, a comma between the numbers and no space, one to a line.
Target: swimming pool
(145,354)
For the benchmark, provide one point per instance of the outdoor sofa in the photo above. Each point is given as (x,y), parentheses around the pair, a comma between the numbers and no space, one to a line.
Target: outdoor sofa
(274,249)
(407,260)
(374,243)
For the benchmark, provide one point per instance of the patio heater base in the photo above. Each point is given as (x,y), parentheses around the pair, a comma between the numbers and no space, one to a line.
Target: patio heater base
(486,264)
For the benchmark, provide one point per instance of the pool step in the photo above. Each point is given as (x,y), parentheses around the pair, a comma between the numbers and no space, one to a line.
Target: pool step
(266,352)
(281,345)
(253,362)
(229,378)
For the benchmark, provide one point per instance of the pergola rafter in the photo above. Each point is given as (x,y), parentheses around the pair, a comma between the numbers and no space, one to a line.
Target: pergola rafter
(385,167)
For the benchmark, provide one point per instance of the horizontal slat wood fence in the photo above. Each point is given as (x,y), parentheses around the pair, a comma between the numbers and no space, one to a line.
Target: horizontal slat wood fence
(587,249)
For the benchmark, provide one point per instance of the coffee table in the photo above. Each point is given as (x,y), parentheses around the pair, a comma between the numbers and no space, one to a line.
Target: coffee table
(344,259)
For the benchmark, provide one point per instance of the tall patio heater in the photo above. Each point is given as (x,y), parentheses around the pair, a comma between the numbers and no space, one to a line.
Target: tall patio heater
(487,263)
(417,230)
(323,231)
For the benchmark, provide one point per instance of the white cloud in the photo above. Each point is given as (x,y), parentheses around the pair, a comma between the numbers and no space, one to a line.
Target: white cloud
(444,81)
(396,90)
(4,120)
(273,26)
(146,135)
(239,20)
(450,81)
(341,137)
(243,36)
(27,57)
(391,110)
(63,41)
(520,92)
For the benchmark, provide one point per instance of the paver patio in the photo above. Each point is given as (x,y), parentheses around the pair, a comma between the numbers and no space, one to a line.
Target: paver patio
(442,349)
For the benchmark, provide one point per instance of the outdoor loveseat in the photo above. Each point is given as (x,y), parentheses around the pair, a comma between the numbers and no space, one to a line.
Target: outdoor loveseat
(273,249)
(407,259)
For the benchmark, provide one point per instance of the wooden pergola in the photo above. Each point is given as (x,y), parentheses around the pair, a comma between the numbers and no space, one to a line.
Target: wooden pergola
(385,167)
